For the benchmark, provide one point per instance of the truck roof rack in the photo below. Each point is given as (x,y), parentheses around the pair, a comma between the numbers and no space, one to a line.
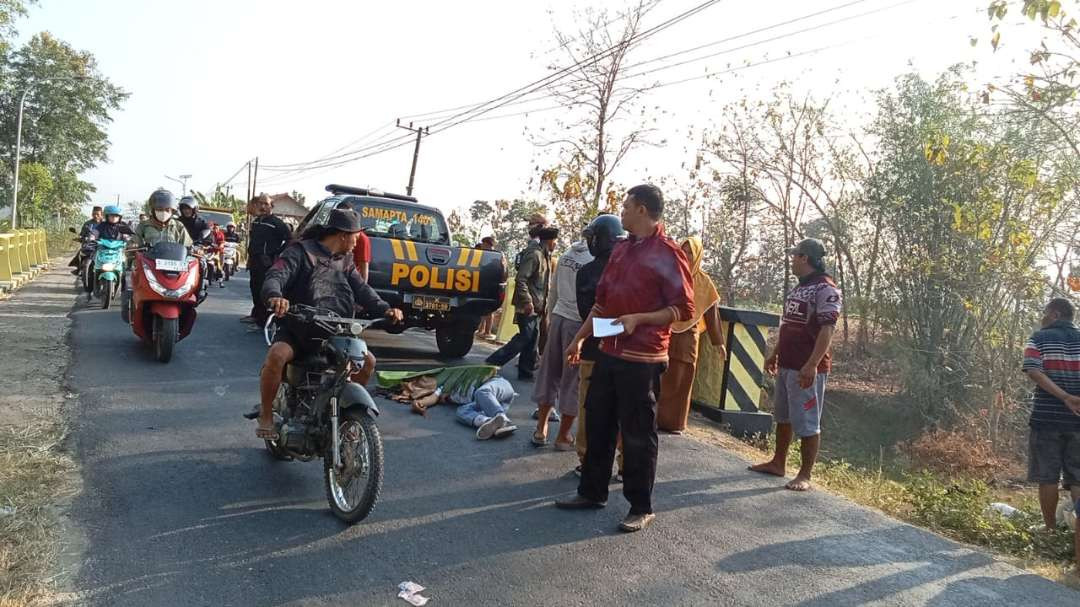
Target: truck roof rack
(335,189)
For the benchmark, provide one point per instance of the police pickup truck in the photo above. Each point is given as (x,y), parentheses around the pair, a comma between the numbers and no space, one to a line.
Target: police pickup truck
(415,267)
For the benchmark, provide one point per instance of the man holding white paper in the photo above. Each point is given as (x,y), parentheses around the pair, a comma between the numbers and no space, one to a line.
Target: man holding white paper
(645,287)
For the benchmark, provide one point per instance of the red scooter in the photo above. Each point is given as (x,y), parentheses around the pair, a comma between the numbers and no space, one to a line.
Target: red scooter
(161,296)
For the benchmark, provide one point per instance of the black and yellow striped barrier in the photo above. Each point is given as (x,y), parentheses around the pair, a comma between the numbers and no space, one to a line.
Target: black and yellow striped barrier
(729,390)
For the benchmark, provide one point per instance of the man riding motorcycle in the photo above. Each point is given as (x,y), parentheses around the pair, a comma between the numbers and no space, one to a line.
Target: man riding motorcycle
(160,227)
(189,216)
(317,271)
(231,235)
(96,217)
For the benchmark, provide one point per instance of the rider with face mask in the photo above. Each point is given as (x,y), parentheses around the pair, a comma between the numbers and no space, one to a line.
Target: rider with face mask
(161,227)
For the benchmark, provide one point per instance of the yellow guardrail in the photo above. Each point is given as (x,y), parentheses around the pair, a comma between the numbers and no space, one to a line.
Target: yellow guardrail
(23,255)
(506,329)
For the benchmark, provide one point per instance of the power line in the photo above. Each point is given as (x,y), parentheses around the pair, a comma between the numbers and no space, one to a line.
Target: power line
(646,62)
(378,148)
(560,74)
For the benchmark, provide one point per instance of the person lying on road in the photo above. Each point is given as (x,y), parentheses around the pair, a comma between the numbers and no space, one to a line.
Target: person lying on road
(483,407)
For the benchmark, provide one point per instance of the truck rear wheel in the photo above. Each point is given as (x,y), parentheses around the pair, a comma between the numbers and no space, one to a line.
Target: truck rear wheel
(456,340)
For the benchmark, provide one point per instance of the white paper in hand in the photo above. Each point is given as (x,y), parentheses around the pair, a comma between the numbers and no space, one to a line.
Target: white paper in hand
(605,327)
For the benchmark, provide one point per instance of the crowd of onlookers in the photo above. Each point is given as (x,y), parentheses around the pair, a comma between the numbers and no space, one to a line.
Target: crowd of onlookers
(655,302)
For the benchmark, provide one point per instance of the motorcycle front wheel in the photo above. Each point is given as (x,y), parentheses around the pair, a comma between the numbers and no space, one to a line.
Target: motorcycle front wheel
(165,334)
(88,276)
(107,288)
(353,490)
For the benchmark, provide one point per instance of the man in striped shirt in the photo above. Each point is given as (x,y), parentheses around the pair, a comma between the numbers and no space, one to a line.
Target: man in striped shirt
(1052,361)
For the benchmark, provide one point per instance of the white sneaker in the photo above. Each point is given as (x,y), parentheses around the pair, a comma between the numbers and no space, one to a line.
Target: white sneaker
(491,426)
(506,430)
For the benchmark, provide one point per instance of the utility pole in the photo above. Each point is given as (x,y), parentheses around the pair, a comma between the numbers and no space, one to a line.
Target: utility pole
(420,132)
(249,194)
(255,178)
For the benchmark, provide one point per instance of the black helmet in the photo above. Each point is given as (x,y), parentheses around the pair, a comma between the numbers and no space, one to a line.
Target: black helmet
(161,199)
(603,233)
(190,202)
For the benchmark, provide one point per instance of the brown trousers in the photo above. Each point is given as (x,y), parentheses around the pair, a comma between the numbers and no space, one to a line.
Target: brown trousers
(677,383)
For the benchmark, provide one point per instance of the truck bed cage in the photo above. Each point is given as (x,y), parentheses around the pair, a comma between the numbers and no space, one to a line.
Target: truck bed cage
(336,189)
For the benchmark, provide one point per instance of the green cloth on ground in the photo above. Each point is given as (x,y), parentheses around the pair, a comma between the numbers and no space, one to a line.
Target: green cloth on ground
(449,379)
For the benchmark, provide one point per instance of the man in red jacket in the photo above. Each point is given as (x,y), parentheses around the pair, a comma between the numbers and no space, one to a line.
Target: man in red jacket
(645,287)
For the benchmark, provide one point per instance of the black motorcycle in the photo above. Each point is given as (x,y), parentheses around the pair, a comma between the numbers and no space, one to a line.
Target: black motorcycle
(87,250)
(319,412)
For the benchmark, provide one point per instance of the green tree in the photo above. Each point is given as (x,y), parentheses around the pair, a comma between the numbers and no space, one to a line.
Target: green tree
(68,105)
(968,207)
(35,193)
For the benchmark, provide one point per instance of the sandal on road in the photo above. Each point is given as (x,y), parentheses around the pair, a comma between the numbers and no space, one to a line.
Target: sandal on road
(539,439)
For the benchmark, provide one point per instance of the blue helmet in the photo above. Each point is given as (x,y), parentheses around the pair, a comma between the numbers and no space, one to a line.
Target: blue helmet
(112,209)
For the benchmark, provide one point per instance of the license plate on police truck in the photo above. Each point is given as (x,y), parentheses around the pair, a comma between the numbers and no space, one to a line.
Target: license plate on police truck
(433,304)
(170,265)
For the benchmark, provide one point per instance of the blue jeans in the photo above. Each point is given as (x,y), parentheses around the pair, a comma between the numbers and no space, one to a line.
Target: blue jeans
(490,399)
(524,343)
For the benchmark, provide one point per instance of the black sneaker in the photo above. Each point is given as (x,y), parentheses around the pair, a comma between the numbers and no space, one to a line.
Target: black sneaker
(578,502)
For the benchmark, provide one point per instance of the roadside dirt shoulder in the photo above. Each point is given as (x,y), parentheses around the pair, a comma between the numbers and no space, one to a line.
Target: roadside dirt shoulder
(38,475)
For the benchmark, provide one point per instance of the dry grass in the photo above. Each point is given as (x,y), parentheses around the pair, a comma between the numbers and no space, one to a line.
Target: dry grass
(34,475)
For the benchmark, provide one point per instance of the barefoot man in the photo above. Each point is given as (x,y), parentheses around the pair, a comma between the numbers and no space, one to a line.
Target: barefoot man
(801,361)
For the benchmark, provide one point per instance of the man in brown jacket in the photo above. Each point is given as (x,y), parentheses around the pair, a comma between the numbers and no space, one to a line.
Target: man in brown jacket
(530,301)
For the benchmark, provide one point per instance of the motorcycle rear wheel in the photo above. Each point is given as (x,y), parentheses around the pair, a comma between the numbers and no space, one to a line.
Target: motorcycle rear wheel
(354,500)
(165,334)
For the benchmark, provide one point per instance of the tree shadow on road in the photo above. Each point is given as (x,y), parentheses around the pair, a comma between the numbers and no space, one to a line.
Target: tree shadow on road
(931,561)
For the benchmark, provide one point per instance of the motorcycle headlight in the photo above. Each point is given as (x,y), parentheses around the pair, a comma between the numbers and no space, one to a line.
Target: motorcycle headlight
(108,267)
(189,284)
(155,286)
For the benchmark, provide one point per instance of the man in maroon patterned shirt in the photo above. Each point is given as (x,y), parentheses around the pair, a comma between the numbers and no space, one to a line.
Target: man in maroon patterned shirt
(646,286)
(801,361)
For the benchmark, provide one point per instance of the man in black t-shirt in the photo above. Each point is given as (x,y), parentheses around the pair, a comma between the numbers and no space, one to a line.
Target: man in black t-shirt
(267,237)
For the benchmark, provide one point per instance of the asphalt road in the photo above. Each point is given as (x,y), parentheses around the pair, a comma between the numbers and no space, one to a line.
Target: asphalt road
(181,506)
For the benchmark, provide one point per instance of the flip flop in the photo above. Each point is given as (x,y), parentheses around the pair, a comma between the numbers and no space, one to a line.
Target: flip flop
(539,440)
(564,446)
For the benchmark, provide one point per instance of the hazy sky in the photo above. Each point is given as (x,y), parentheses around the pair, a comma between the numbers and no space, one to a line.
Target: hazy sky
(215,83)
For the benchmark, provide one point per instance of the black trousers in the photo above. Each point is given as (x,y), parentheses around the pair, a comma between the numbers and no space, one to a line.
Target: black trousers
(622,396)
(523,345)
(257,266)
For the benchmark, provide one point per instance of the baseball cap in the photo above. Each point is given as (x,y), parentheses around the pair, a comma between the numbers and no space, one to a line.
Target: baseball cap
(537,219)
(811,247)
